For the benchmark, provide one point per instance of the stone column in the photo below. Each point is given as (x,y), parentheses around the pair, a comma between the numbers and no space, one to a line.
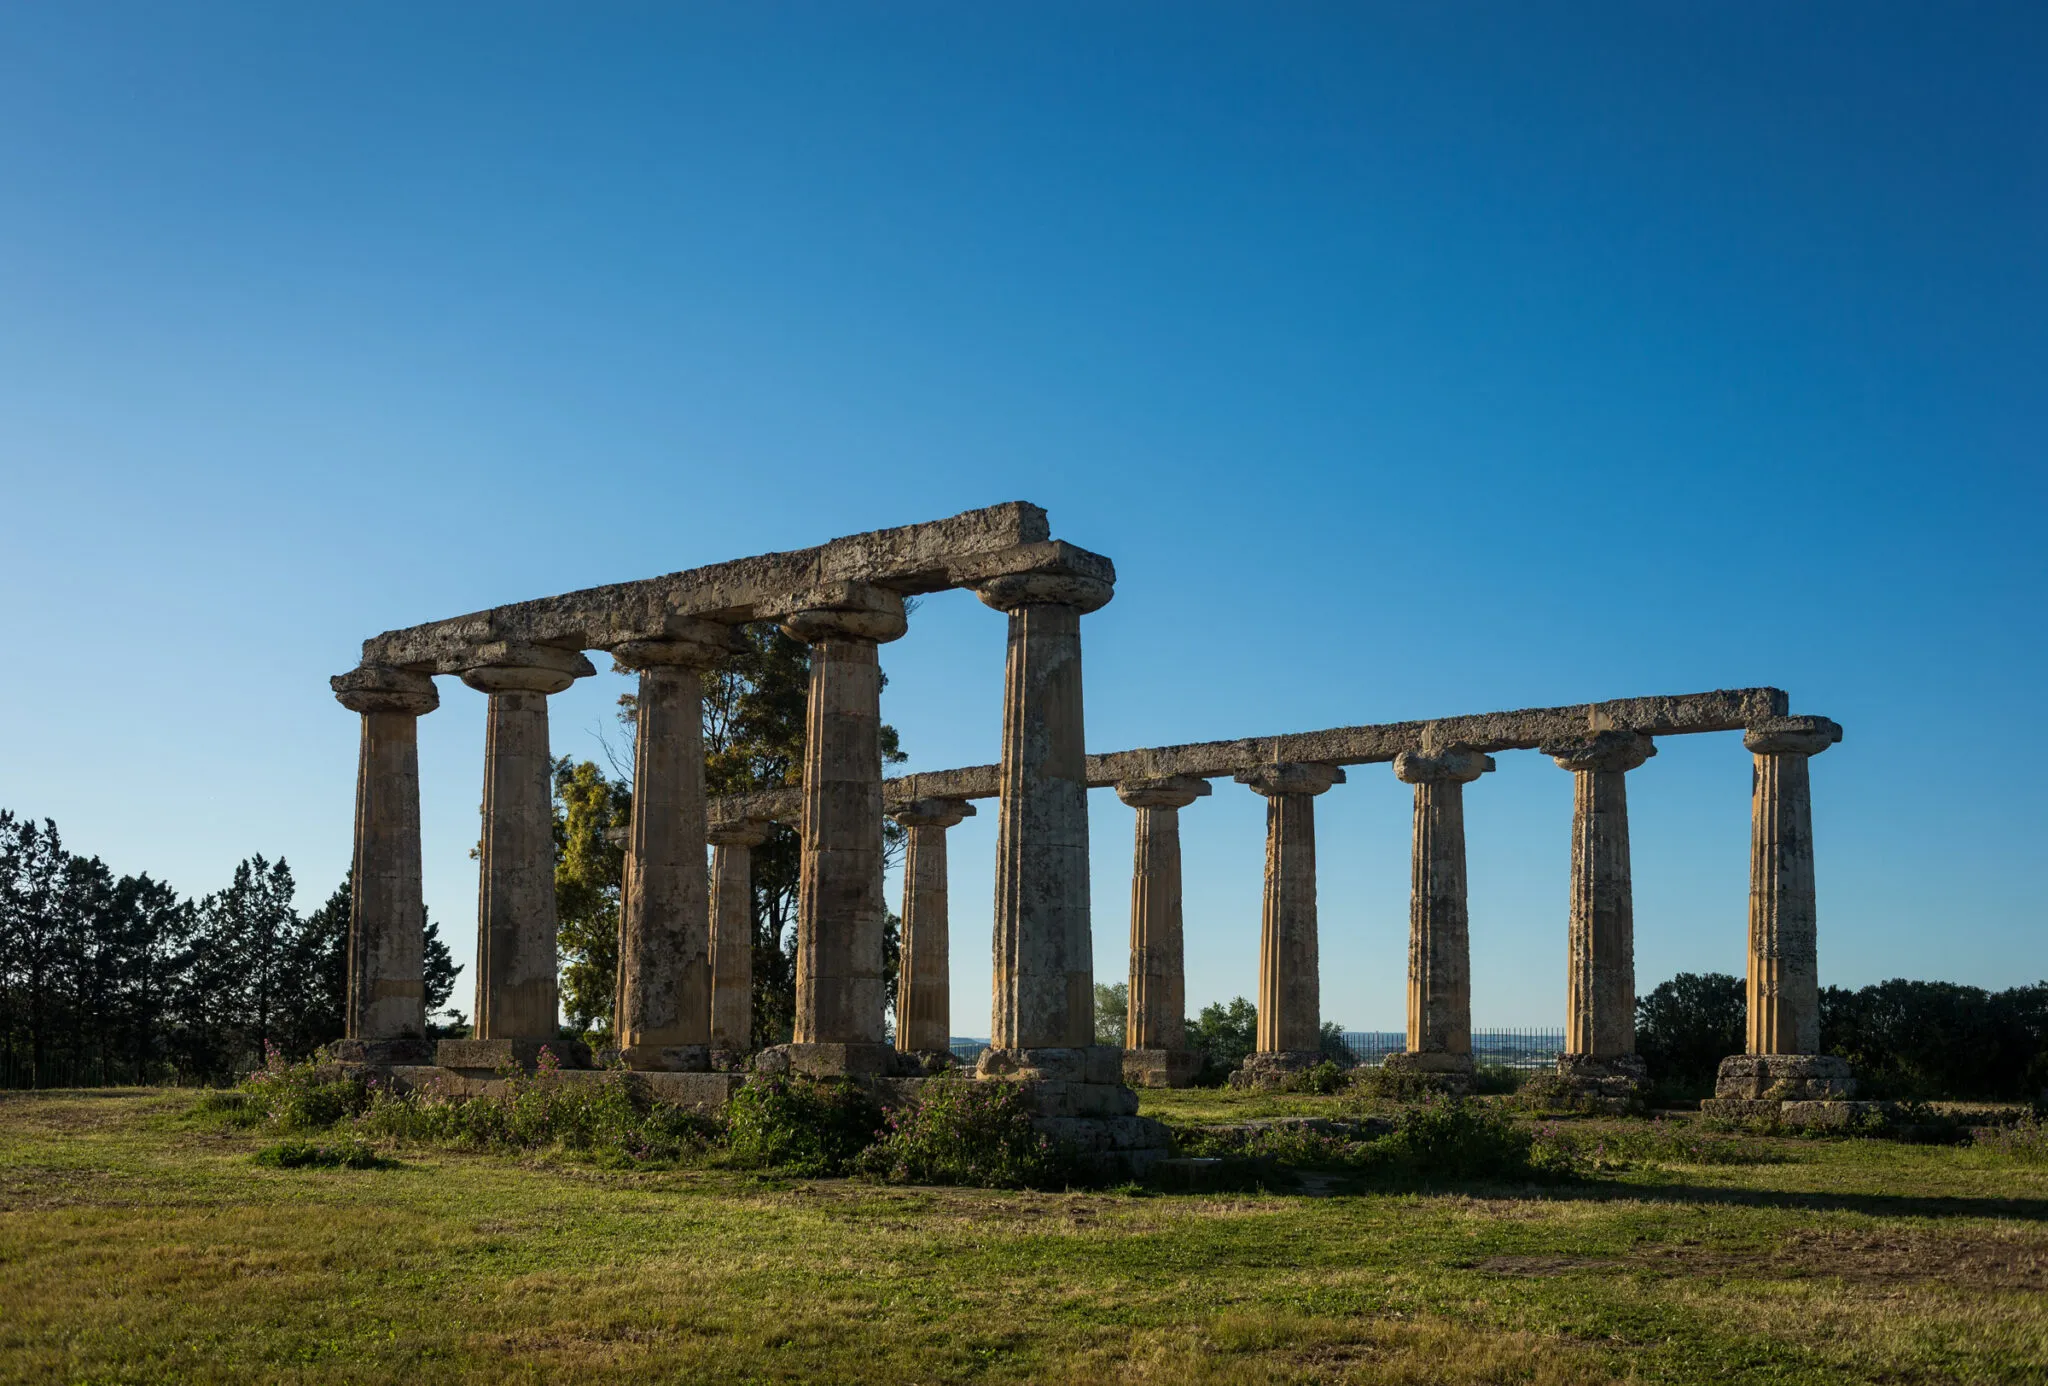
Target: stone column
(1290,983)
(1044,992)
(663,1008)
(516,995)
(841,994)
(1156,1053)
(732,932)
(1439,933)
(1600,982)
(387,1012)
(924,995)
(1783,1058)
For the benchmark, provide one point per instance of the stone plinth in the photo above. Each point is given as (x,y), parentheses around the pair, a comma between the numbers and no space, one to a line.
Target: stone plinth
(386,1002)
(1440,1069)
(516,925)
(841,993)
(663,1017)
(1618,1083)
(1155,1023)
(508,1055)
(1044,987)
(1785,1078)
(1439,932)
(1274,1068)
(1290,980)
(924,992)
(1078,1098)
(732,933)
(870,1059)
(1600,988)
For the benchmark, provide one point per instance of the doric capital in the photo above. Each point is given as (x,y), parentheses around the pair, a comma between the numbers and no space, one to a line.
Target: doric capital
(1014,590)
(844,611)
(932,813)
(1172,792)
(739,832)
(379,688)
(1798,736)
(688,644)
(1454,766)
(1603,750)
(1290,778)
(513,666)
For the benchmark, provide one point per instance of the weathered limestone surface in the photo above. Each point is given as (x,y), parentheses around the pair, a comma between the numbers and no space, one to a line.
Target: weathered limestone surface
(924,993)
(1729,709)
(1784,1078)
(841,993)
(1290,982)
(1078,1097)
(970,548)
(387,909)
(1600,989)
(1439,932)
(664,980)
(1784,974)
(732,933)
(1044,964)
(516,925)
(1155,1022)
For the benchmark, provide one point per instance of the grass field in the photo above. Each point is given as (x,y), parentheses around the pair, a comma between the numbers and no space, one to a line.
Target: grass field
(136,1245)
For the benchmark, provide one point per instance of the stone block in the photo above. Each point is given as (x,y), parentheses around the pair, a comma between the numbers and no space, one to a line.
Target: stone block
(1105,1064)
(1805,1114)
(1161,1068)
(1056,1065)
(1785,1078)
(1189,1175)
(859,1060)
(667,1058)
(1273,1070)
(382,1053)
(704,1092)
(508,1055)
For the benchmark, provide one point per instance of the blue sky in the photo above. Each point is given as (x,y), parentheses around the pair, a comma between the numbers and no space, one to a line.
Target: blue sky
(1408,360)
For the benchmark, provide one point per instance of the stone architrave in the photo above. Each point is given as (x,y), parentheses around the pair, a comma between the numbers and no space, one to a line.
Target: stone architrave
(663,1003)
(841,993)
(1156,1052)
(1290,981)
(1439,923)
(924,994)
(732,932)
(1044,987)
(1600,984)
(516,996)
(387,1012)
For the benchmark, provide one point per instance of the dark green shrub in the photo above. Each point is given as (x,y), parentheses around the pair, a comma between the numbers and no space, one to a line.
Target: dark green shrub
(1224,1034)
(2024,1143)
(807,1126)
(1499,1079)
(305,1096)
(1686,1026)
(1324,1079)
(612,1120)
(349,1154)
(963,1132)
(228,1107)
(1449,1139)
(1376,1085)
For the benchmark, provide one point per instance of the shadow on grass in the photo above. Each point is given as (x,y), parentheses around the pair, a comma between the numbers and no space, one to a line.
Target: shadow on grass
(1874,1205)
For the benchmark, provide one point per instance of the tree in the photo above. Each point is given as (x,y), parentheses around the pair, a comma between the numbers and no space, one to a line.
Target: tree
(32,861)
(438,977)
(591,815)
(1226,1034)
(1112,1007)
(1939,1039)
(1686,1026)
(1333,1046)
(241,965)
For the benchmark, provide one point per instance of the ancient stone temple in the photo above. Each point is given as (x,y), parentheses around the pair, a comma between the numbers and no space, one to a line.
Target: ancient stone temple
(684,1020)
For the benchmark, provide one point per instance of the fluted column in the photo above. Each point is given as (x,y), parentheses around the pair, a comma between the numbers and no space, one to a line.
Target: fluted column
(516,995)
(924,993)
(1600,984)
(841,993)
(663,1006)
(1439,933)
(1784,962)
(387,910)
(1155,1022)
(1044,988)
(1290,983)
(732,932)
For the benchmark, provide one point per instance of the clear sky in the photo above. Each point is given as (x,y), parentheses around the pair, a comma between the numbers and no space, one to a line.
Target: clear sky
(1409,360)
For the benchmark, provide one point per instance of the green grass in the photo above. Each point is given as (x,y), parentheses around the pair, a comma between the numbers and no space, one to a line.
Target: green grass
(141,1243)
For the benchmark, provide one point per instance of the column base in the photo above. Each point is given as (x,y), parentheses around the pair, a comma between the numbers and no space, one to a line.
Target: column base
(856,1060)
(1434,1069)
(1784,1078)
(1615,1083)
(1096,1063)
(1805,1115)
(661,1058)
(382,1053)
(1161,1068)
(509,1055)
(1079,1099)
(1273,1069)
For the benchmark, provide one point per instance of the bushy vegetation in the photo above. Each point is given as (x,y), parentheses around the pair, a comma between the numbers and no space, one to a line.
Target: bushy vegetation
(807,1126)
(2024,1142)
(345,1154)
(1442,1138)
(1686,1026)
(1224,1034)
(963,1132)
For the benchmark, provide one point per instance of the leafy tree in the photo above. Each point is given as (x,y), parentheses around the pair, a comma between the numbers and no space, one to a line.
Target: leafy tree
(1226,1033)
(1686,1026)
(1333,1046)
(32,862)
(591,815)
(1939,1039)
(1112,1009)
(243,967)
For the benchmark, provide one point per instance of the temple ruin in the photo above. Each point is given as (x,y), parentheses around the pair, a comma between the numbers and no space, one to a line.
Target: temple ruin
(685,985)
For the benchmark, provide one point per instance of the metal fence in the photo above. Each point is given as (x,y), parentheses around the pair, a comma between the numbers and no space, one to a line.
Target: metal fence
(1527,1049)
